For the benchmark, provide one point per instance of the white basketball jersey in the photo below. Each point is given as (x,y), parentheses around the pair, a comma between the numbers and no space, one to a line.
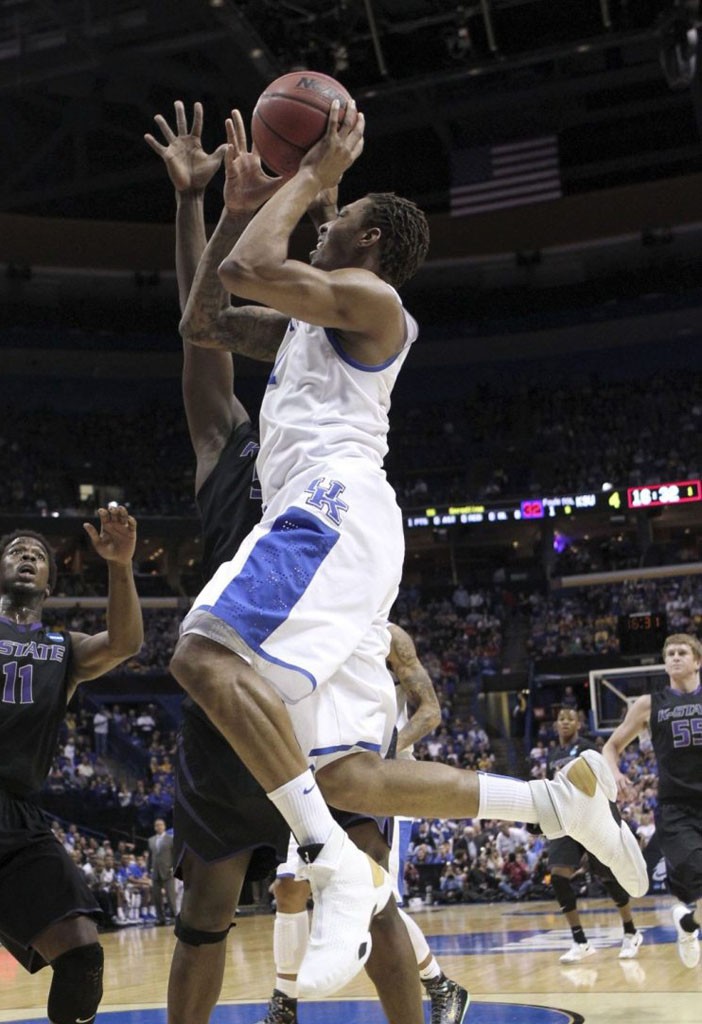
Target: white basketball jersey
(322,405)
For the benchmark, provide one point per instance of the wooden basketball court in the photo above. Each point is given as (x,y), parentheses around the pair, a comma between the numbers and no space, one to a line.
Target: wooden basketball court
(506,954)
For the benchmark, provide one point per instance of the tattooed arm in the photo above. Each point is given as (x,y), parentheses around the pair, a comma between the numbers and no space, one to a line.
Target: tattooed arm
(209,320)
(416,684)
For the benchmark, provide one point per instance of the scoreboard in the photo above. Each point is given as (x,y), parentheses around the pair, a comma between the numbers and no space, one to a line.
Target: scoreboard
(642,632)
(616,499)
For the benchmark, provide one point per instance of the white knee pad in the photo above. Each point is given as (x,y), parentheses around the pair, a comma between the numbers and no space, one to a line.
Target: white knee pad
(419,943)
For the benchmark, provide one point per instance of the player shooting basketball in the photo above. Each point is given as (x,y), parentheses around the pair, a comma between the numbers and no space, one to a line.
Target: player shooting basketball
(300,611)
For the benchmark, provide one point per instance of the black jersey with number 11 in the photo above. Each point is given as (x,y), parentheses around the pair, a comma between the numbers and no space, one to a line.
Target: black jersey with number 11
(34,662)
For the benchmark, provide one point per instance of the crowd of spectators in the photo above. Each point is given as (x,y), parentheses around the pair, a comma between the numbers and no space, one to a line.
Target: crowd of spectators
(118,874)
(474,861)
(160,634)
(457,635)
(88,764)
(532,440)
(584,620)
(541,439)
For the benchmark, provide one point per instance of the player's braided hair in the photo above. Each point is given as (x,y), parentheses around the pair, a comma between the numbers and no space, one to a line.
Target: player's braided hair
(51,557)
(405,235)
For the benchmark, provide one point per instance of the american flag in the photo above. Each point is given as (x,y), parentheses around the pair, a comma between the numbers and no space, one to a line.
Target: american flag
(495,177)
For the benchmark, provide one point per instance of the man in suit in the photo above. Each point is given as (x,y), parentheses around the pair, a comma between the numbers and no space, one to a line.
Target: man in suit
(161,865)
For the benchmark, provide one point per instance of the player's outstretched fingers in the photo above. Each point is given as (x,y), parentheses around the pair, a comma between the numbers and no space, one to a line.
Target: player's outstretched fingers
(181,120)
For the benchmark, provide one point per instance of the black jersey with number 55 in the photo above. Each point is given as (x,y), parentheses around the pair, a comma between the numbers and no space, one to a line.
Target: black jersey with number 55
(35,662)
(676,732)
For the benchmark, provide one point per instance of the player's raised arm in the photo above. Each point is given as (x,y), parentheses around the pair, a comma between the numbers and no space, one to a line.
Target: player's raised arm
(211,408)
(417,686)
(190,169)
(636,720)
(95,655)
(342,288)
(209,321)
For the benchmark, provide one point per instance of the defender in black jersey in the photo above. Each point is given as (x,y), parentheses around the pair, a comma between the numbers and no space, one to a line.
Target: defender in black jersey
(565,856)
(224,824)
(46,907)
(674,718)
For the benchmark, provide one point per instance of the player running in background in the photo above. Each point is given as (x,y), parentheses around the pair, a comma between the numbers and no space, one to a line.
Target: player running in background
(449,1000)
(225,827)
(47,910)
(310,588)
(565,856)
(674,717)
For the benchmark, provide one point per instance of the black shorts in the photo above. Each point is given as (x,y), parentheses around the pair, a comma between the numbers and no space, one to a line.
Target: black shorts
(220,810)
(679,831)
(39,883)
(567,853)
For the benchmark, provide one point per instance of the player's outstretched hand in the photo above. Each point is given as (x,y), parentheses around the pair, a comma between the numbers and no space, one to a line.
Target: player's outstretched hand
(338,148)
(117,537)
(189,167)
(247,186)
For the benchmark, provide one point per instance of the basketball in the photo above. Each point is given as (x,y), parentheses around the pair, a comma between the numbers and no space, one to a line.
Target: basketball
(291,116)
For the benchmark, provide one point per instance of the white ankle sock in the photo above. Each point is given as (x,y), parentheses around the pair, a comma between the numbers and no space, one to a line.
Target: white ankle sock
(431,971)
(506,799)
(287,987)
(302,805)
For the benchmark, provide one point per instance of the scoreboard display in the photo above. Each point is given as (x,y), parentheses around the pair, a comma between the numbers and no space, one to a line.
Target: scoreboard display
(664,494)
(610,499)
(642,632)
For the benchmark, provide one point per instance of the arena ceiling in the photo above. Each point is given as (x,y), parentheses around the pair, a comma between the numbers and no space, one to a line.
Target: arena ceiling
(81,80)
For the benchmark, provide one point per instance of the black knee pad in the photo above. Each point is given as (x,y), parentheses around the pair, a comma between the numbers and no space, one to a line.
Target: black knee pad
(564,893)
(195,937)
(618,894)
(76,987)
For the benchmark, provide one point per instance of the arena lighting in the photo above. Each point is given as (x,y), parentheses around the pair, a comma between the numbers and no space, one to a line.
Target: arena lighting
(606,486)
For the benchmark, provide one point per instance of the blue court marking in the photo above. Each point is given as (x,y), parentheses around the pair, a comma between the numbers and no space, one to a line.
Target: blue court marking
(638,907)
(350,1012)
(553,939)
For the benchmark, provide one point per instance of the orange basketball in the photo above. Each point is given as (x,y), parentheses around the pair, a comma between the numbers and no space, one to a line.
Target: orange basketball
(291,115)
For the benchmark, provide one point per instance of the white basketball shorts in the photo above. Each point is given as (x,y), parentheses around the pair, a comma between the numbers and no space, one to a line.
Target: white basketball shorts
(306,598)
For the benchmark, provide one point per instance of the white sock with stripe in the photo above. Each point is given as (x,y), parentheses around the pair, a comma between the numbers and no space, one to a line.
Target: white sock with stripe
(302,805)
(505,799)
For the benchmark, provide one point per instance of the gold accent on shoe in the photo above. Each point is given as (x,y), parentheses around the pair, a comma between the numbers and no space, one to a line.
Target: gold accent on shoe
(377,873)
(582,776)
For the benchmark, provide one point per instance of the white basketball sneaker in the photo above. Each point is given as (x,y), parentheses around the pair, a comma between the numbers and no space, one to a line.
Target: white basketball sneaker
(688,942)
(349,889)
(630,945)
(577,803)
(577,952)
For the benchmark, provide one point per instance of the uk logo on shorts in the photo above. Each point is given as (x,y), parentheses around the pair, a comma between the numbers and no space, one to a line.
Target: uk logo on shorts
(325,496)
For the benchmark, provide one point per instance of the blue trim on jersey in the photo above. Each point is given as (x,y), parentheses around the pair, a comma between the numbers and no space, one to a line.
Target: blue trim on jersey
(375,747)
(289,665)
(336,345)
